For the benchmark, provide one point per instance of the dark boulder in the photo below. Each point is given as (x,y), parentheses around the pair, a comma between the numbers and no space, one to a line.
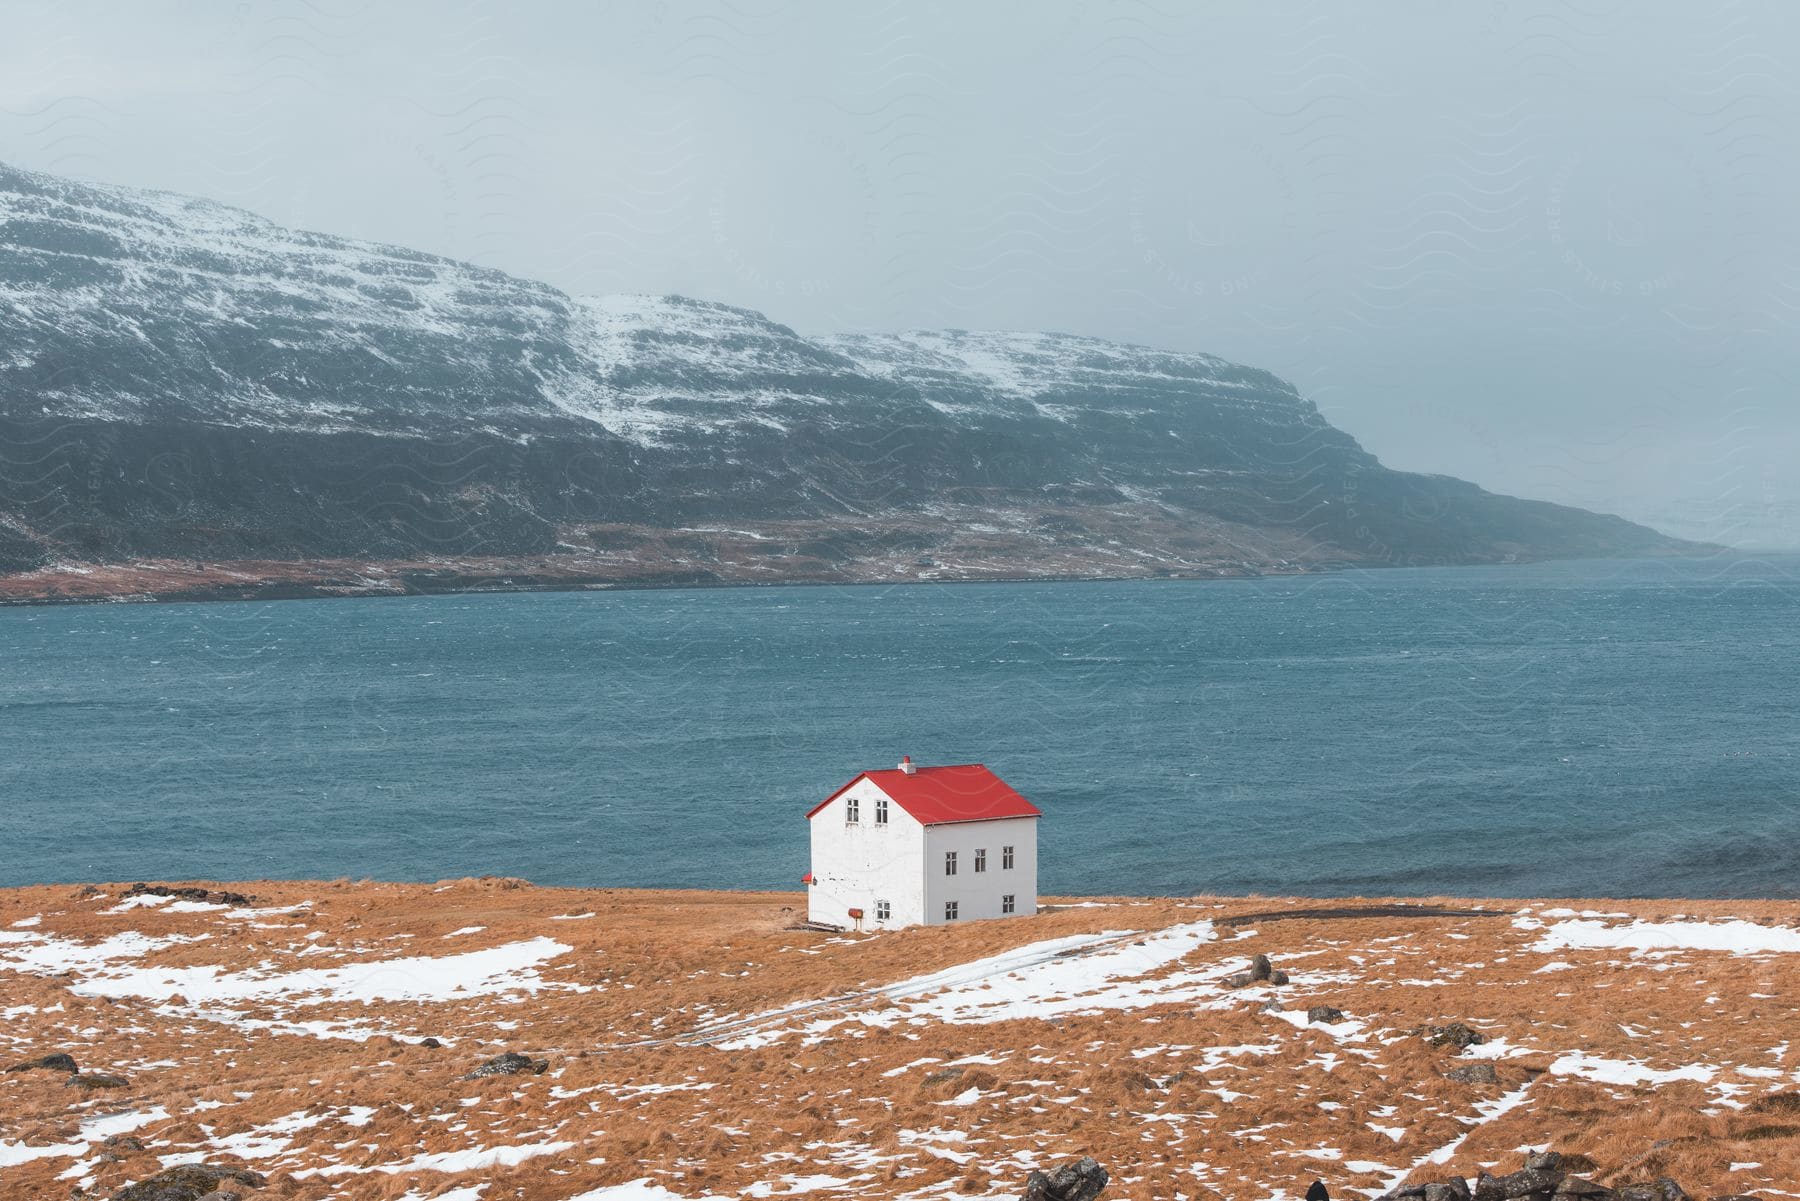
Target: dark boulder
(1324,1013)
(1081,1180)
(1453,1189)
(430,1042)
(1261,972)
(1523,1183)
(56,1062)
(188,1182)
(1587,1190)
(511,1063)
(93,1080)
(1316,1191)
(1479,1072)
(1454,1035)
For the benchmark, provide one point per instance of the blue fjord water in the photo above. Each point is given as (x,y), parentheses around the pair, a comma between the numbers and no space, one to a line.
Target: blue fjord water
(1569,729)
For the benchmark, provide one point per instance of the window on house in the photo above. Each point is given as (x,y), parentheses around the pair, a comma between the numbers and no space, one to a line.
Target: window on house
(949,911)
(881,811)
(852,810)
(981,859)
(949,863)
(1006,903)
(1006,858)
(884,911)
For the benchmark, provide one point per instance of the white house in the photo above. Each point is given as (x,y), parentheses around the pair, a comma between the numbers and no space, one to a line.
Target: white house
(921,846)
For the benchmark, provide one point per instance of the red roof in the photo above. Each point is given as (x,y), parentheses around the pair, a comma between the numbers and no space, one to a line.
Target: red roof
(937,796)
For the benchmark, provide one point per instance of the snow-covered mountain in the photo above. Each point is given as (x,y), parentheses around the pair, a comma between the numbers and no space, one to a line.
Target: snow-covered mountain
(179,378)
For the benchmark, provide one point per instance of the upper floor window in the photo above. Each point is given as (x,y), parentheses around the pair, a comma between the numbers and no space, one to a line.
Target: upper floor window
(949,911)
(852,809)
(981,859)
(1006,859)
(949,863)
(881,811)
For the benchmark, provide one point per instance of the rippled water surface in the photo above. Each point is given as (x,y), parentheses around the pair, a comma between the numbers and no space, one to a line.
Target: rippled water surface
(1562,729)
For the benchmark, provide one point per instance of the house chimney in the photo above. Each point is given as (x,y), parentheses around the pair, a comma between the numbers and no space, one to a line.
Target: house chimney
(906,765)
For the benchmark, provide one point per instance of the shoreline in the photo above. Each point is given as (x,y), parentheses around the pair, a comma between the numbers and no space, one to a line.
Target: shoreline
(276,580)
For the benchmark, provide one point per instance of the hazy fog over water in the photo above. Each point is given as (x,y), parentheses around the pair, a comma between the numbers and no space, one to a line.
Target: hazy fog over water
(1551,248)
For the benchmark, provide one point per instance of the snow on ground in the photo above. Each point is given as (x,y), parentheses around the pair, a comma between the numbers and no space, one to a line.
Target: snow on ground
(1734,937)
(473,1159)
(507,968)
(1625,1071)
(31,952)
(1080,974)
(639,1190)
(92,1131)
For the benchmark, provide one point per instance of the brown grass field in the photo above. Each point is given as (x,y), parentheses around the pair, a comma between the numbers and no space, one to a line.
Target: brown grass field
(285,1038)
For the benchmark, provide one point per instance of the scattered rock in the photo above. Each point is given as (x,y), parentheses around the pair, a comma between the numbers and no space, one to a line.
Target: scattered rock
(122,1143)
(510,1063)
(1082,1180)
(1261,972)
(1454,1035)
(1546,1176)
(1324,1013)
(188,1182)
(430,1042)
(56,1062)
(1479,1072)
(93,1080)
(236,900)
(944,1076)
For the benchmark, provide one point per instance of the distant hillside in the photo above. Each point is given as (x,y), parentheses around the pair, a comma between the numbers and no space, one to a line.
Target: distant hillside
(184,385)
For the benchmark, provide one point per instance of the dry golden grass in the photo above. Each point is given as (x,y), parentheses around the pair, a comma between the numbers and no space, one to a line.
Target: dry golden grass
(1199,1093)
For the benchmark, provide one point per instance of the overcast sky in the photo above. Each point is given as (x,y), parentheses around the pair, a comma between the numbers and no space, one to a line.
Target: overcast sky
(1552,248)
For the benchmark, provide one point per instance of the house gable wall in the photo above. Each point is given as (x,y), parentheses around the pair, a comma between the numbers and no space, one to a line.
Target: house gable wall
(855,866)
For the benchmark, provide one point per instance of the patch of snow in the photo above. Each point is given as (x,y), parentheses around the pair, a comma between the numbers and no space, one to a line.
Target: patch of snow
(1087,973)
(510,967)
(1733,937)
(1624,1071)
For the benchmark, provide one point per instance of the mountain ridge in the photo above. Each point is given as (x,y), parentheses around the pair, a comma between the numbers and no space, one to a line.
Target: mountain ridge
(183,380)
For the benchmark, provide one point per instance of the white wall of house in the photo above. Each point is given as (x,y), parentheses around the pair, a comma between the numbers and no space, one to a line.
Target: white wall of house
(980,894)
(858,865)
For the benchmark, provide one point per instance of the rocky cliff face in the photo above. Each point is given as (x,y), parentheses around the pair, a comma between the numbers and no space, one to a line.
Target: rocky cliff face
(181,380)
